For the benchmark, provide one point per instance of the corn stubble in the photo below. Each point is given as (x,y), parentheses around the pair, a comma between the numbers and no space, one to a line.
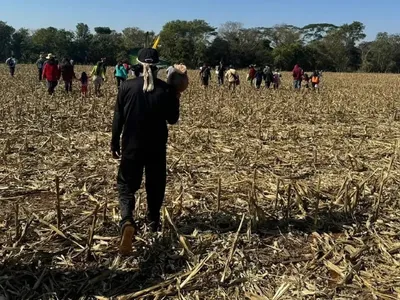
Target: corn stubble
(270,195)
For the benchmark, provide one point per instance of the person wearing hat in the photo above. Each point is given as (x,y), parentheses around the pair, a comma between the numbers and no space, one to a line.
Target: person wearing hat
(143,108)
(40,64)
(51,72)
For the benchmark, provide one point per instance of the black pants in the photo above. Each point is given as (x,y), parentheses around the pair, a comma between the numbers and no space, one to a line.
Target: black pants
(51,86)
(129,179)
(119,80)
(68,85)
(12,71)
(268,84)
(258,83)
(221,80)
(40,74)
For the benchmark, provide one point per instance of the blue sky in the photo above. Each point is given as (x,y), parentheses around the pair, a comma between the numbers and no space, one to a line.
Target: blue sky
(378,16)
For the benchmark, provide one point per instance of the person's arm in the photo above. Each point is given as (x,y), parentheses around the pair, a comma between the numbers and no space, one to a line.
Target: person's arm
(93,71)
(44,71)
(118,124)
(172,107)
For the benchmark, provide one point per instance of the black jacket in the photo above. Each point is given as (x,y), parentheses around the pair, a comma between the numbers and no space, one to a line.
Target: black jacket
(143,116)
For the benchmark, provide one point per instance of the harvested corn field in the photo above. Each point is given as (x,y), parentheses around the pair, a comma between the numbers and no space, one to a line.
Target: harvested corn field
(270,195)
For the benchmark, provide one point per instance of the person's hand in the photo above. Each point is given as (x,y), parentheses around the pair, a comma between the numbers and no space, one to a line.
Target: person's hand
(115,151)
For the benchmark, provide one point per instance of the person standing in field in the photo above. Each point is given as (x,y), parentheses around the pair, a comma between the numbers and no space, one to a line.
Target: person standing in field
(40,64)
(51,72)
(221,73)
(252,74)
(315,79)
(306,80)
(205,75)
(120,73)
(99,76)
(11,62)
(67,74)
(233,78)
(143,108)
(259,77)
(277,79)
(84,80)
(297,77)
(268,76)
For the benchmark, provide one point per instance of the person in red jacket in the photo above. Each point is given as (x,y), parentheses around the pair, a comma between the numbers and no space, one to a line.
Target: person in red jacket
(297,77)
(252,74)
(51,72)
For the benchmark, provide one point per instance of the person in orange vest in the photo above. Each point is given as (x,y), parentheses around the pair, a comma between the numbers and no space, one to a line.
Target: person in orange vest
(315,80)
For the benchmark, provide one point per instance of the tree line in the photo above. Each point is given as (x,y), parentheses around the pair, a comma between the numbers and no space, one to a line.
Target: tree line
(322,46)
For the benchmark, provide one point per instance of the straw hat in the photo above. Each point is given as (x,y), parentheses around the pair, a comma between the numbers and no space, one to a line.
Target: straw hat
(50,56)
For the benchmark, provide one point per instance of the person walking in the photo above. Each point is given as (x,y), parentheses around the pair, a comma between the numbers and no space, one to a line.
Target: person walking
(143,108)
(277,79)
(99,76)
(268,76)
(120,73)
(51,72)
(205,75)
(84,80)
(233,78)
(40,64)
(297,77)
(11,62)
(221,73)
(67,74)
(259,78)
(252,74)
(315,80)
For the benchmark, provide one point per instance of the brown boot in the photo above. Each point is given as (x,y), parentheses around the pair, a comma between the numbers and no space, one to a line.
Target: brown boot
(128,232)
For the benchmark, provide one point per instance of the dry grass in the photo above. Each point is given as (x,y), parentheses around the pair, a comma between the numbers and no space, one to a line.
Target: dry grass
(271,195)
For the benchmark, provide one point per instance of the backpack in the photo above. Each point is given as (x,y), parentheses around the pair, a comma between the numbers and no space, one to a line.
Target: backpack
(11,62)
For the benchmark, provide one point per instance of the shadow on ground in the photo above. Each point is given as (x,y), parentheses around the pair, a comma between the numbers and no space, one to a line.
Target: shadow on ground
(155,263)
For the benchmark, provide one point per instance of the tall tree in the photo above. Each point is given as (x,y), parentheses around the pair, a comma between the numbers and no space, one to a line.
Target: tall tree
(135,37)
(186,41)
(6,33)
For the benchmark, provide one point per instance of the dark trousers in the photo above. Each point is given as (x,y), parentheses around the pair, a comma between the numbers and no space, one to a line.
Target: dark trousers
(129,179)
(258,83)
(51,86)
(12,71)
(68,85)
(221,80)
(120,80)
(268,84)
(40,74)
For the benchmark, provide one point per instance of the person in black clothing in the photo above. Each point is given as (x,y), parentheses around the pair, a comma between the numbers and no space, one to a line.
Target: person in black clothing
(205,74)
(221,74)
(259,77)
(144,107)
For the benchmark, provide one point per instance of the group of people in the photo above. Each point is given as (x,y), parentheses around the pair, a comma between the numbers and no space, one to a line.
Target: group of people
(256,77)
(52,71)
(299,77)
(230,74)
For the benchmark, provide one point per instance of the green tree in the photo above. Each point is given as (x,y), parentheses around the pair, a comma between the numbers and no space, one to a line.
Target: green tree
(6,33)
(186,41)
(21,45)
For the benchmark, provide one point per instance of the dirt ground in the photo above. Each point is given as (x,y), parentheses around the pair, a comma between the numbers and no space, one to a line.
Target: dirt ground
(270,194)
